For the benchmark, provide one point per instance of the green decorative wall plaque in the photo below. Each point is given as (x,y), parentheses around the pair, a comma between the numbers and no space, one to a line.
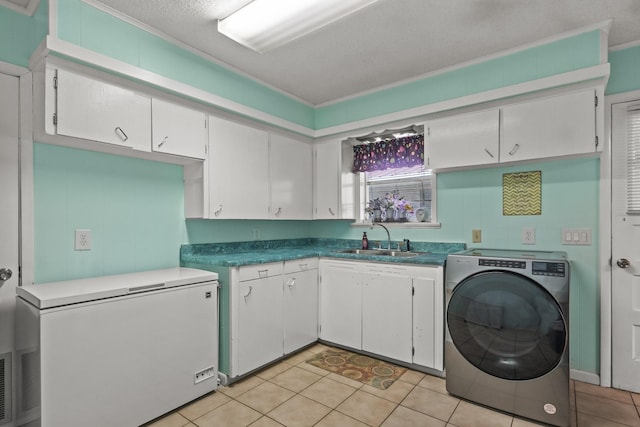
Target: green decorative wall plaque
(522,193)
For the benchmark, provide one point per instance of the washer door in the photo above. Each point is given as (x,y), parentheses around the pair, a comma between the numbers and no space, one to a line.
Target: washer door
(506,325)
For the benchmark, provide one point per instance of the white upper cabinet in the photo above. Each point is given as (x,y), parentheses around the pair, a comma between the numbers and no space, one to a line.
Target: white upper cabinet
(92,109)
(326,180)
(290,177)
(178,130)
(555,126)
(464,140)
(238,170)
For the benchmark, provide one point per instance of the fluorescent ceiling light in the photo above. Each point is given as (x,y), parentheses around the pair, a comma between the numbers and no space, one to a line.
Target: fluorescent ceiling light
(266,24)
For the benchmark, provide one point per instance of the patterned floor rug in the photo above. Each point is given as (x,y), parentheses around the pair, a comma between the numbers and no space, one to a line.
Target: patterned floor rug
(361,368)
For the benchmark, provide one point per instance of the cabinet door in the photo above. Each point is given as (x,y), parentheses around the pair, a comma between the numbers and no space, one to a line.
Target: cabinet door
(178,130)
(326,180)
(300,309)
(238,171)
(290,176)
(340,305)
(260,319)
(386,315)
(428,319)
(464,140)
(91,109)
(557,126)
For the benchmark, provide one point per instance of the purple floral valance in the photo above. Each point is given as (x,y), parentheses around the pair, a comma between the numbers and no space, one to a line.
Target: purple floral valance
(393,153)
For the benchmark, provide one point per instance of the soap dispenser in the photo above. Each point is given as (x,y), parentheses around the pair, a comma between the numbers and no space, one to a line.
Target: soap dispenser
(365,241)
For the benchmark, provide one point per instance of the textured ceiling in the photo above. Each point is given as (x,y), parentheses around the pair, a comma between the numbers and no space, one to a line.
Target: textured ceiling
(385,43)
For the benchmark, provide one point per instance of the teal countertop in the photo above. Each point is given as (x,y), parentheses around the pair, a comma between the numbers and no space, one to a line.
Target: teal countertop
(260,252)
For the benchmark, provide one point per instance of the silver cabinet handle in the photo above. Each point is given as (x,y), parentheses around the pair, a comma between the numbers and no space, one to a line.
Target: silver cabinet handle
(123,136)
(489,153)
(218,211)
(263,273)
(163,141)
(514,149)
(291,283)
(5,274)
(248,293)
(622,263)
(332,212)
(302,266)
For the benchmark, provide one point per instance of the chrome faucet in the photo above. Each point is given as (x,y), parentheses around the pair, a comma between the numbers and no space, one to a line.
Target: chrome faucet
(385,229)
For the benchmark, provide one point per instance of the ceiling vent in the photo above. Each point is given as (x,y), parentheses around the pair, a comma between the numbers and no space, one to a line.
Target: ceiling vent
(28,7)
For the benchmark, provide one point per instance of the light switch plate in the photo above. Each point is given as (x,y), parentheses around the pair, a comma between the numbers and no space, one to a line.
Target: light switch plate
(576,236)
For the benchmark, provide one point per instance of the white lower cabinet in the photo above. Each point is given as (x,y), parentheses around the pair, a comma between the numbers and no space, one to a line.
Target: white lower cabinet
(300,304)
(273,311)
(260,319)
(396,311)
(340,303)
(386,314)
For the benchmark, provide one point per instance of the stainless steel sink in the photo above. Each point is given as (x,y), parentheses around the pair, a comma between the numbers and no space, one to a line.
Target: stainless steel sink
(365,251)
(382,252)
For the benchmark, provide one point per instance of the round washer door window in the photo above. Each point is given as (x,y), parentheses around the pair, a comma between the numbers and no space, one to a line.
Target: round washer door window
(506,325)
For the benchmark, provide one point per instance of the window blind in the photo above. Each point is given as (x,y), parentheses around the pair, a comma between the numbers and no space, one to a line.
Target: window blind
(633,161)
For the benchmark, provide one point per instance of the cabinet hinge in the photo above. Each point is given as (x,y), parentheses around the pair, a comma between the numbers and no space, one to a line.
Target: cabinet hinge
(55,118)
(413,351)
(596,100)
(597,141)
(413,290)
(55,82)
(428,131)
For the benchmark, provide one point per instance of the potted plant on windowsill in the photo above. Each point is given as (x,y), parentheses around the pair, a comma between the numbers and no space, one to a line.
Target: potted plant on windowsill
(374,209)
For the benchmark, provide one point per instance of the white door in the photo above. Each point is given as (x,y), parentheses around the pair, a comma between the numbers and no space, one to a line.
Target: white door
(327,180)
(238,171)
(98,111)
(625,245)
(290,175)
(301,309)
(8,232)
(387,315)
(260,323)
(340,305)
(178,130)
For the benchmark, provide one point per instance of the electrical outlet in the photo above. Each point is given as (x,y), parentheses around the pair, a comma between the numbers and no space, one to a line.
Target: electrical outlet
(476,236)
(257,233)
(83,240)
(528,236)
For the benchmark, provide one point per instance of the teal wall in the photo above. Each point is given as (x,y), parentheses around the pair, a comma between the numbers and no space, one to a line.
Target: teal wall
(20,35)
(133,207)
(86,26)
(625,70)
(558,57)
(472,199)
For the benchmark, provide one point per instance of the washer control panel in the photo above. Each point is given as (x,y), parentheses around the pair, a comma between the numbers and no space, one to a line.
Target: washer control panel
(556,269)
(502,263)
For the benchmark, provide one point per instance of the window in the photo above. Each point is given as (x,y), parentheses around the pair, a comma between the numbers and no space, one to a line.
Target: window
(395,186)
(407,191)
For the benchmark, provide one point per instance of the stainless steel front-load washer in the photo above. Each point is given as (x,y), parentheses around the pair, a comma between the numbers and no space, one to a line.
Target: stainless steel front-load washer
(507,341)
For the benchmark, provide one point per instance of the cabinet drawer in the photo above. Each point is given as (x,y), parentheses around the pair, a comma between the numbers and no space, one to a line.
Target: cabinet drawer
(296,265)
(259,271)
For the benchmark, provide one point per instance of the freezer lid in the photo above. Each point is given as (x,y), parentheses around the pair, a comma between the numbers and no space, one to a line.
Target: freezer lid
(55,294)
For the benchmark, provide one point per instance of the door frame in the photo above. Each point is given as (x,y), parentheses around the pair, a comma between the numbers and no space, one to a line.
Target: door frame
(606,236)
(25,190)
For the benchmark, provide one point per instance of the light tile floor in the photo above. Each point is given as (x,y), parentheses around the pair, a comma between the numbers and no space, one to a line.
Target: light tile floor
(294,393)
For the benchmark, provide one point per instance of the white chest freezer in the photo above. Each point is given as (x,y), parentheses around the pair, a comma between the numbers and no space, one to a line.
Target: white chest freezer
(115,350)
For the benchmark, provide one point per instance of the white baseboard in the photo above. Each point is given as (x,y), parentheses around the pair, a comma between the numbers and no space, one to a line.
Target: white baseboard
(586,377)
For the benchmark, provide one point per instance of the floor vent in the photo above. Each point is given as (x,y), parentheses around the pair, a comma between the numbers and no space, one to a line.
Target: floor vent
(5,388)
(30,390)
